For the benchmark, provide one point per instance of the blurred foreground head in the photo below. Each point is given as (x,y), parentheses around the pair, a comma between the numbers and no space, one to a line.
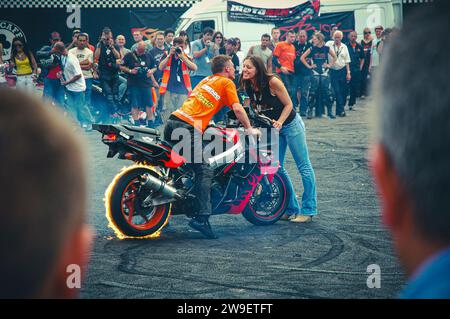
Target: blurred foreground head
(42,191)
(411,156)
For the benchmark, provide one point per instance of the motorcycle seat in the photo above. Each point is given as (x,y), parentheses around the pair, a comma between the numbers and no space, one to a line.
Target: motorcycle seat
(144,130)
(167,143)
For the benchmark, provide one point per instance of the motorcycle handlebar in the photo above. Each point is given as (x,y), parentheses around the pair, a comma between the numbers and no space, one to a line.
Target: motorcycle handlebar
(260,119)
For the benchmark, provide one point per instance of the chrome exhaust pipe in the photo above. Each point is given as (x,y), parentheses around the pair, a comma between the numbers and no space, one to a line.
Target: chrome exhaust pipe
(152,183)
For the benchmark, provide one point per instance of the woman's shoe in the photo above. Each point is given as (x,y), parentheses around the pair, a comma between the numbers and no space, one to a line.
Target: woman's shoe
(286,217)
(301,219)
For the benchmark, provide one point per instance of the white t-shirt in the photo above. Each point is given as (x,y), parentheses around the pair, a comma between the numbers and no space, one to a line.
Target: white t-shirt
(72,68)
(342,55)
(241,55)
(375,55)
(83,55)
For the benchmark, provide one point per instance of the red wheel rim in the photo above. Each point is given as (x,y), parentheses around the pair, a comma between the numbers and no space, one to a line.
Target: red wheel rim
(157,214)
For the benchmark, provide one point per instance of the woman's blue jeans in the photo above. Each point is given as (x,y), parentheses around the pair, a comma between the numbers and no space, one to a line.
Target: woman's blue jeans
(293,136)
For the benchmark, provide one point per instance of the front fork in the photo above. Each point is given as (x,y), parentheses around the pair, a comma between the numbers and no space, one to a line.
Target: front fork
(263,186)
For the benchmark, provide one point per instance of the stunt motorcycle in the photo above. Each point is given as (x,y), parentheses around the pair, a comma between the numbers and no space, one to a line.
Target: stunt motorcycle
(142,197)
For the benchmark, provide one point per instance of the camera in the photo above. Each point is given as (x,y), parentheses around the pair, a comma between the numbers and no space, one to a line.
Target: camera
(111,62)
(142,71)
(178,50)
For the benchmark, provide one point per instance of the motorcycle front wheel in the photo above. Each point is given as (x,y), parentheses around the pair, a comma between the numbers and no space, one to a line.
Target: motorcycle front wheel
(267,203)
(125,210)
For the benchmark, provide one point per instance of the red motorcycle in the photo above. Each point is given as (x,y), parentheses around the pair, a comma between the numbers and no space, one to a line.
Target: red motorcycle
(141,198)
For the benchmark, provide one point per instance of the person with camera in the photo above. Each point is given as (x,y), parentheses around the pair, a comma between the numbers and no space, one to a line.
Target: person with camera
(203,52)
(53,90)
(159,52)
(176,82)
(72,79)
(140,66)
(107,55)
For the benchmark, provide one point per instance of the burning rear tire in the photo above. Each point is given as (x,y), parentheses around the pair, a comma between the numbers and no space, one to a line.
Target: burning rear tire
(266,206)
(124,208)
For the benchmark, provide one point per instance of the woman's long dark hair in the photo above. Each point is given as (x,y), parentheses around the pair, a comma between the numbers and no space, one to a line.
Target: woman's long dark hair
(25,49)
(188,41)
(239,44)
(222,44)
(262,77)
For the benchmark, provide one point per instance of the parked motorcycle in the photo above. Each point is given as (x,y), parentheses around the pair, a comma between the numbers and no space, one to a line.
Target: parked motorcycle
(142,197)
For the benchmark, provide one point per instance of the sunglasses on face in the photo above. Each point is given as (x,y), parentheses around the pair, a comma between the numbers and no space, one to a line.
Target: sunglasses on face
(18,45)
(367,32)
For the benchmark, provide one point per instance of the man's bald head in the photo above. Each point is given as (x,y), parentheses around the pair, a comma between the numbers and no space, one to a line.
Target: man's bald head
(59,48)
(140,48)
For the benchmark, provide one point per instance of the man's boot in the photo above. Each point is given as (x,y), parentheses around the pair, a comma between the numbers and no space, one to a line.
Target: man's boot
(201,223)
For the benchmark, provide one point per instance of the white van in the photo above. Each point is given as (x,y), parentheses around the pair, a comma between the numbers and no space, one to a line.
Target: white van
(213,13)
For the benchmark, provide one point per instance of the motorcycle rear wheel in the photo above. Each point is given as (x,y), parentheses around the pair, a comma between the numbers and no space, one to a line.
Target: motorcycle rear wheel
(125,212)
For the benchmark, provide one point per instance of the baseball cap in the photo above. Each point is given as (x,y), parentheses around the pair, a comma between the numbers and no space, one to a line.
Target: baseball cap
(379,27)
(55,36)
(232,41)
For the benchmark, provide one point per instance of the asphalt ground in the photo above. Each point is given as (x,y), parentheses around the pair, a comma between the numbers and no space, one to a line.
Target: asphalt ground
(327,258)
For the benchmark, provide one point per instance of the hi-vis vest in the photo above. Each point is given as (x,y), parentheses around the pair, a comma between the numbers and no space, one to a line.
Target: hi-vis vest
(166,76)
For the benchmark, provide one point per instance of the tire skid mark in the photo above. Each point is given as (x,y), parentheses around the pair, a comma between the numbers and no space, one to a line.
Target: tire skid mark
(147,289)
(195,279)
(331,272)
(337,247)
(128,265)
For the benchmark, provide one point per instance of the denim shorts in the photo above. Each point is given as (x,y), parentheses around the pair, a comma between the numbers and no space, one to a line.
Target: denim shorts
(141,96)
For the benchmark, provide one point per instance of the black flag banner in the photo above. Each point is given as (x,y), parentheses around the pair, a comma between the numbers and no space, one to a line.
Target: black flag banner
(344,21)
(151,21)
(244,13)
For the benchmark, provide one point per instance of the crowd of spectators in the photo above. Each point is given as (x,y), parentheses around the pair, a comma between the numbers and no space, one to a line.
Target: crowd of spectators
(147,80)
